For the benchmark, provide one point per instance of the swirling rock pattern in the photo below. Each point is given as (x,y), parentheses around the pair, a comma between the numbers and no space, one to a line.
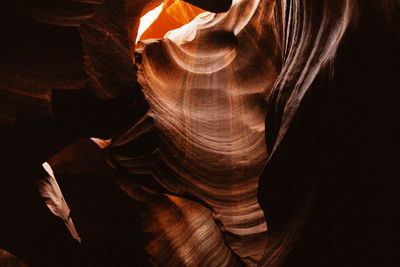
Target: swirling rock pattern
(209,114)
(197,154)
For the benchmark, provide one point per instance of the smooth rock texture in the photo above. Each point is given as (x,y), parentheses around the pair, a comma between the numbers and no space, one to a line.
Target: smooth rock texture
(209,114)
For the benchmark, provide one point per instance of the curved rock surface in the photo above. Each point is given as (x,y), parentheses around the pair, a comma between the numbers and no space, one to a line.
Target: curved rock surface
(205,83)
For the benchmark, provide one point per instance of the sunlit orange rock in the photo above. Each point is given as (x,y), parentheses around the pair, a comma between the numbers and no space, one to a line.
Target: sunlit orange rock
(172,14)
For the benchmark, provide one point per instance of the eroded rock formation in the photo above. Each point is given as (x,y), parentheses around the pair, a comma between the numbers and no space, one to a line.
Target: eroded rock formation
(199,126)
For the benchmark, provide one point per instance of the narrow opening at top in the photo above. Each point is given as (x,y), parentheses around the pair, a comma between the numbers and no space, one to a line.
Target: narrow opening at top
(167,15)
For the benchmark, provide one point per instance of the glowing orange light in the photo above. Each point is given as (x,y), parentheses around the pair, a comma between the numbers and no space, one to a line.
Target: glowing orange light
(169,15)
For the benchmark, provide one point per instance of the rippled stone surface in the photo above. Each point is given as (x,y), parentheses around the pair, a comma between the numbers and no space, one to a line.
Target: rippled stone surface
(223,92)
(205,84)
